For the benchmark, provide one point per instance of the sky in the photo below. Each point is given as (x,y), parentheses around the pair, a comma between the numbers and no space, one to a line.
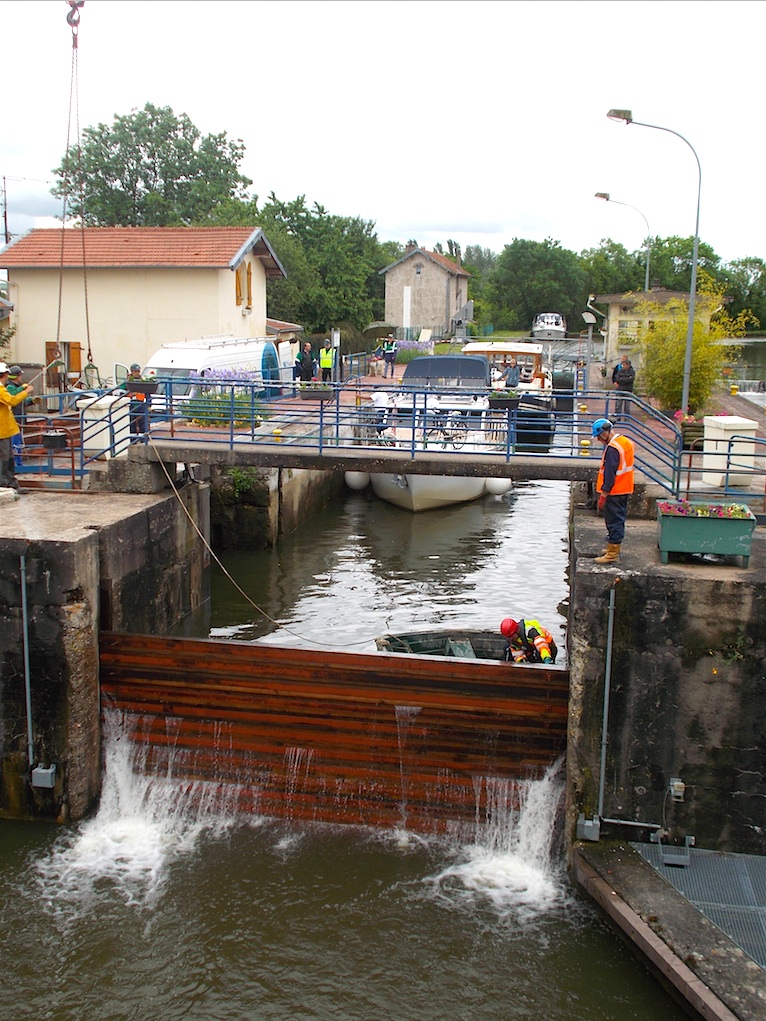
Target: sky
(435,119)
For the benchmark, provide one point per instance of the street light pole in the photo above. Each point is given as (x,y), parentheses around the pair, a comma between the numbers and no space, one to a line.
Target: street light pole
(627,116)
(608,198)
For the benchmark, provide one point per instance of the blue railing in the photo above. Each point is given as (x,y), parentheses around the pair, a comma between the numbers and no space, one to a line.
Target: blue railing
(344,417)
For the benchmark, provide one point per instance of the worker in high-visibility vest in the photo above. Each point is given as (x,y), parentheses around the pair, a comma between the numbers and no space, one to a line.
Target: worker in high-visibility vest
(326,360)
(614,485)
(527,641)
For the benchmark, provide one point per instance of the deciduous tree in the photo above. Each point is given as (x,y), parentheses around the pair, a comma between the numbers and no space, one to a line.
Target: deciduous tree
(150,168)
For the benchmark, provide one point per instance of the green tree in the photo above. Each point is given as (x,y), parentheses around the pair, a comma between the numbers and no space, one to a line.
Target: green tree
(671,262)
(662,344)
(746,285)
(535,276)
(150,168)
(612,269)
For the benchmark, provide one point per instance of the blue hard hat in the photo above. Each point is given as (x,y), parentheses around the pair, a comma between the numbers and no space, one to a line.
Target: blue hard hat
(600,425)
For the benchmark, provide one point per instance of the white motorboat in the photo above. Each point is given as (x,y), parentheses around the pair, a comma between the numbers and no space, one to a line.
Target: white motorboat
(442,405)
(549,326)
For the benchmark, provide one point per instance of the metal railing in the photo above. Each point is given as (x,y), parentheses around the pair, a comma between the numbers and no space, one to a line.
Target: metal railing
(343,417)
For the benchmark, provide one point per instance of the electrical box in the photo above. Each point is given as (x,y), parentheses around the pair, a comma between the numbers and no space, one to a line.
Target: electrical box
(588,829)
(44,776)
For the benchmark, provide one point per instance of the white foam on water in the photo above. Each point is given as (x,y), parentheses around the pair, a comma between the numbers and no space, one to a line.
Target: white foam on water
(512,863)
(143,823)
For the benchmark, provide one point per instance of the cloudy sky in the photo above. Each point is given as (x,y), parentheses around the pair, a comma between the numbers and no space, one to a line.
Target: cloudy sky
(464,119)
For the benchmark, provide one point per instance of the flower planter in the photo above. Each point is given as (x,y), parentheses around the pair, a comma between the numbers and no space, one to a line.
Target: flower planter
(316,393)
(688,533)
(504,403)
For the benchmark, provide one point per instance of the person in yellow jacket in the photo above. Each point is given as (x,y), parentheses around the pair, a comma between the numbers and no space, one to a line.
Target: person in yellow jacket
(326,360)
(527,641)
(9,427)
(614,485)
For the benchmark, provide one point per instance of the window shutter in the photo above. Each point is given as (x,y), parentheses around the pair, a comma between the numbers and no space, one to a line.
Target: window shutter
(238,286)
(249,285)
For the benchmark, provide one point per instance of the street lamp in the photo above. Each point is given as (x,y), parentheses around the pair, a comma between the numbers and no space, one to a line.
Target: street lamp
(608,198)
(627,116)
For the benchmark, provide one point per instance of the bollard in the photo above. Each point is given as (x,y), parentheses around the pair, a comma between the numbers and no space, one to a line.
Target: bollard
(277,434)
(583,408)
(733,389)
(584,448)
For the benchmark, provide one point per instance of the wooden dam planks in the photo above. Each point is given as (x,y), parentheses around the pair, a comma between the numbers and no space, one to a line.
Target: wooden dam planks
(377,739)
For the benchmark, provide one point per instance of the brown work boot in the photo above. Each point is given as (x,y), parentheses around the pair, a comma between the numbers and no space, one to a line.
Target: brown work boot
(610,555)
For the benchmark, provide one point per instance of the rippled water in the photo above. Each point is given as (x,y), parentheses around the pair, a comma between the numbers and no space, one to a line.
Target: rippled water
(167,906)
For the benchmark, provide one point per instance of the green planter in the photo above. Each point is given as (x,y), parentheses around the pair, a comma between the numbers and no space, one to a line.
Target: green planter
(692,434)
(316,393)
(686,533)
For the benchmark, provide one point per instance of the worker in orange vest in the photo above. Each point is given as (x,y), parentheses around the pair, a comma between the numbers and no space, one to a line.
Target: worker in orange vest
(528,642)
(614,485)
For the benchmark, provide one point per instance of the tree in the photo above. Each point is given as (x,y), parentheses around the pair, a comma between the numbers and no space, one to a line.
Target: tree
(150,169)
(612,269)
(746,285)
(531,277)
(672,262)
(662,344)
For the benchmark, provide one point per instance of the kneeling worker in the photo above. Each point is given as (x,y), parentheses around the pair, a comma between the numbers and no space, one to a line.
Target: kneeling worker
(528,642)
(614,485)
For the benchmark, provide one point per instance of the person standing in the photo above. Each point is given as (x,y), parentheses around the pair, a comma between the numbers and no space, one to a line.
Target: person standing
(139,407)
(510,374)
(326,361)
(389,355)
(305,364)
(623,380)
(15,385)
(9,427)
(614,485)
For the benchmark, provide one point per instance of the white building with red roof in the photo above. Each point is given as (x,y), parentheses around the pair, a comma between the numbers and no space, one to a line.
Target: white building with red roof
(115,294)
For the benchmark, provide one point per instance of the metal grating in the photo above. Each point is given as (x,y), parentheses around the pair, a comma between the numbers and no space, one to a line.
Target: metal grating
(728,889)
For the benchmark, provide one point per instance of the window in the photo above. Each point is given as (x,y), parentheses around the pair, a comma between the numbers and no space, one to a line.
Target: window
(418,268)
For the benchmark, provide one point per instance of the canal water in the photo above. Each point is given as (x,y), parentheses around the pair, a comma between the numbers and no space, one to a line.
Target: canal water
(165,905)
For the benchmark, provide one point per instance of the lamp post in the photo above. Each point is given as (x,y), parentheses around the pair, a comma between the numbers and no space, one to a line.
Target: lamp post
(627,116)
(608,198)
(590,319)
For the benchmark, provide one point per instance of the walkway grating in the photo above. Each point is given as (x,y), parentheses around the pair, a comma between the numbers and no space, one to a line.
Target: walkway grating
(728,889)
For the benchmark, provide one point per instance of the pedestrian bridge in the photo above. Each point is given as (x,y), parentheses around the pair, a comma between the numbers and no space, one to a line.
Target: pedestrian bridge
(337,427)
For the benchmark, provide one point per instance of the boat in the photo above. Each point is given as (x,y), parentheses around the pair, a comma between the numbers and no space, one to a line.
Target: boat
(532,401)
(453,642)
(549,326)
(442,405)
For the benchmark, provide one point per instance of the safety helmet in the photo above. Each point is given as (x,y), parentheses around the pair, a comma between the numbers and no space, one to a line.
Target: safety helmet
(509,627)
(600,425)
(14,370)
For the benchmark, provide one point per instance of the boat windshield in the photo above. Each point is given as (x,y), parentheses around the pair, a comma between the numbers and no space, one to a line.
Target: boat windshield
(446,371)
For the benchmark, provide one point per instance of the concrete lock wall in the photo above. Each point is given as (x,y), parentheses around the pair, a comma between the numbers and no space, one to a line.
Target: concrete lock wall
(80,561)
(687,693)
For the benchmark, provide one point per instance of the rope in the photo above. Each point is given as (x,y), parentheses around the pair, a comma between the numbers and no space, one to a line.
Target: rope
(245,596)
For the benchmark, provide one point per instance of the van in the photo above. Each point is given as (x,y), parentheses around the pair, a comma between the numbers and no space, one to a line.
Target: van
(189,360)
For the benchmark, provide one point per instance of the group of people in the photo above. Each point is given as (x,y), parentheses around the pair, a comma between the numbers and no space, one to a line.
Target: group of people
(13,393)
(308,366)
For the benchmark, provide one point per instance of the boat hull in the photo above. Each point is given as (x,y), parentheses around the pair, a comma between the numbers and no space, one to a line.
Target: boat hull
(427,492)
(454,642)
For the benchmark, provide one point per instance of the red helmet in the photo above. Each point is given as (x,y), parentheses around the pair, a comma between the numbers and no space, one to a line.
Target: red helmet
(509,627)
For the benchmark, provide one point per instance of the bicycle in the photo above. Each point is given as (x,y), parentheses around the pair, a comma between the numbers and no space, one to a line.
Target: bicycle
(450,430)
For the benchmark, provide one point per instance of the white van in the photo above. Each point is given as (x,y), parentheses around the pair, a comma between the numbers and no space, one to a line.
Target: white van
(188,360)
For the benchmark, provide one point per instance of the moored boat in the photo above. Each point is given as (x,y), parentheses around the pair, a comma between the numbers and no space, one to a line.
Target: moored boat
(549,326)
(448,642)
(442,405)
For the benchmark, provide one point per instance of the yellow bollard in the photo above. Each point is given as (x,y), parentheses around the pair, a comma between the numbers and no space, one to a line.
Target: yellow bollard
(277,434)
(734,389)
(583,408)
(584,448)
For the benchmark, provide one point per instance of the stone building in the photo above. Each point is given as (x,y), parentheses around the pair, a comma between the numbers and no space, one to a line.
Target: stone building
(424,290)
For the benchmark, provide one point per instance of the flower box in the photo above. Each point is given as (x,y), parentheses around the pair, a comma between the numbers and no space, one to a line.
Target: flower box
(691,526)
(316,393)
(504,403)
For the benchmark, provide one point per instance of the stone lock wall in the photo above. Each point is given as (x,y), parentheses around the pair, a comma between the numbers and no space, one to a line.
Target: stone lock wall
(687,692)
